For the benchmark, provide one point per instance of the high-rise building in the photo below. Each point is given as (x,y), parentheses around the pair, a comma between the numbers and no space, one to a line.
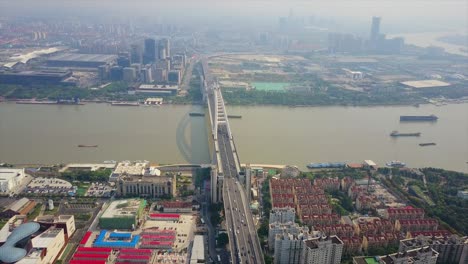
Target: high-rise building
(322,250)
(173,77)
(129,74)
(288,248)
(421,255)
(124,59)
(282,215)
(149,55)
(453,249)
(216,185)
(103,72)
(375,29)
(160,75)
(164,49)
(135,54)
(146,75)
(116,73)
(289,227)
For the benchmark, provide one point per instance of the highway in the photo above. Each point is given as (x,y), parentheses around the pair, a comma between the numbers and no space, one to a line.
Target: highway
(238,215)
(243,239)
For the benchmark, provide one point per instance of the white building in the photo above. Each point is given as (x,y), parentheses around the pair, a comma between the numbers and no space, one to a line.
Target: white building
(198,250)
(282,215)
(46,247)
(129,168)
(355,75)
(281,228)
(322,250)
(10,179)
(288,248)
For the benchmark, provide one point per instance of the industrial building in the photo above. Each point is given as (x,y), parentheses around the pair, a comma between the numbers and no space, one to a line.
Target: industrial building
(20,207)
(81,60)
(35,77)
(122,214)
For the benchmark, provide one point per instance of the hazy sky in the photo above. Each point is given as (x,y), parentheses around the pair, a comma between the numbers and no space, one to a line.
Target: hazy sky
(427,14)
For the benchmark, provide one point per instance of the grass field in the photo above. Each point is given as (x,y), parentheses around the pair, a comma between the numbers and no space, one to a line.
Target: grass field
(270,86)
(82,188)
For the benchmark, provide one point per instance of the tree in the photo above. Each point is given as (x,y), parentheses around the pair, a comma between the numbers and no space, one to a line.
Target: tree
(223,239)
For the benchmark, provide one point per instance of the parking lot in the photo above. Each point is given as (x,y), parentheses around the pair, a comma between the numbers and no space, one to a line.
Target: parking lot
(49,186)
(99,190)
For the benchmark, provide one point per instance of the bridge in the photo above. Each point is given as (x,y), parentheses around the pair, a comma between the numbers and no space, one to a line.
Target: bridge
(226,179)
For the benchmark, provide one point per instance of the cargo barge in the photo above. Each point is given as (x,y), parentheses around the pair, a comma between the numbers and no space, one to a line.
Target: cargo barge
(427,144)
(87,146)
(59,102)
(196,114)
(125,104)
(398,134)
(326,165)
(429,118)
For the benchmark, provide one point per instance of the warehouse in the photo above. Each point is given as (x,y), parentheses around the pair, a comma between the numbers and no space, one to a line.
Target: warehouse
(80,60)
(31,77)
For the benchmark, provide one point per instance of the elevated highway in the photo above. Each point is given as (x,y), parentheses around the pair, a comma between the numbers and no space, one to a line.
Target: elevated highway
(225,182)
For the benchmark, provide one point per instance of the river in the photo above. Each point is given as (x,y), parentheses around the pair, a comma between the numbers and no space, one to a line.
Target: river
(264,134)
(431,39)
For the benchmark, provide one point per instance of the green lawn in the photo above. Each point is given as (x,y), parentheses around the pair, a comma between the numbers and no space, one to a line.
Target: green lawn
(270,86)
(82,188)
(51,212)
(34,213)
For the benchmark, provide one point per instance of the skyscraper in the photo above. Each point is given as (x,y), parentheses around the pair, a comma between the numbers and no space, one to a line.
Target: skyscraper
(164,49)
(375,29)
(149,55)
(135,54)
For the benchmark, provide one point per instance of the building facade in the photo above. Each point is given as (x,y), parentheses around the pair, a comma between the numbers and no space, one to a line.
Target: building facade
(322,250)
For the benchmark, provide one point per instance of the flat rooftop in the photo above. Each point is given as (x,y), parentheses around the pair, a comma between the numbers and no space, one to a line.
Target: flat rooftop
(44,73)
(83,57)
(131,168)
(425,84)
(122,208)
(88,166)
(157,87)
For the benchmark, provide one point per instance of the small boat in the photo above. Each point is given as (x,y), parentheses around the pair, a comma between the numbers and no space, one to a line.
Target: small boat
(87,146)
(398,134)
(427,144)
(234,116)
(395,164)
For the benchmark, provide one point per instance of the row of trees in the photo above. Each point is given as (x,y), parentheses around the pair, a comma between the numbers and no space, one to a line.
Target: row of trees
(91,176)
